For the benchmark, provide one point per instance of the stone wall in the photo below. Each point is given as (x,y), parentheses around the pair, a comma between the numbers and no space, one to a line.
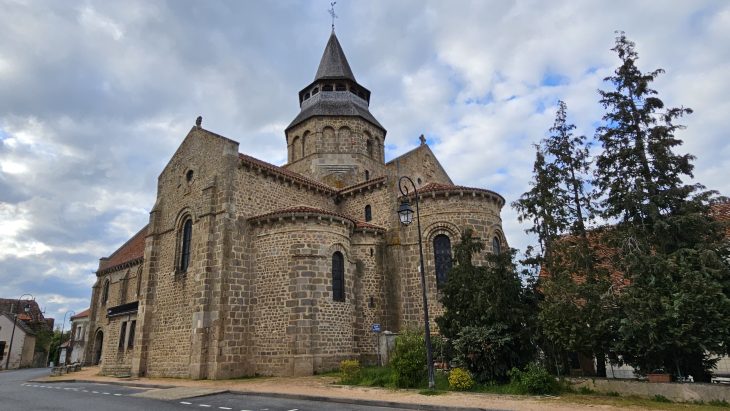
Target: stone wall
(336,151)
(299,329)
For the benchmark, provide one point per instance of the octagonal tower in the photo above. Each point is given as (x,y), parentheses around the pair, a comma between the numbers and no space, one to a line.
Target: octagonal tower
(335,139)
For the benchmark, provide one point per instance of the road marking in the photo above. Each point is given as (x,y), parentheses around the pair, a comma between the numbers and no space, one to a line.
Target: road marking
(105,393)
(84,391)
(185,403)
(204,405)
(294,409)
(118,395)
(94,392)
(225,408)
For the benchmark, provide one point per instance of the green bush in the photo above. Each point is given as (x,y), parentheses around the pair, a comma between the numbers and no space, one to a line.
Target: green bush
(535,379)
(460,380)
(350,371)
(409,359)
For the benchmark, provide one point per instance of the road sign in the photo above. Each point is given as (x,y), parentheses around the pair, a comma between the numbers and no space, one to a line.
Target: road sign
(375,328)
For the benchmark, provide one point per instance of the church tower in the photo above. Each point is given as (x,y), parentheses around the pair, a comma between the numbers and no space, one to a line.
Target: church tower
(335,139)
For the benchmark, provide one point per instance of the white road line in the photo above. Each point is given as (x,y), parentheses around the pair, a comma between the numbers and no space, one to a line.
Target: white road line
(94,392)
(118,395)
(294,409)
(185,403)
(204,405)
(225,408)
(105,393)
(84,391)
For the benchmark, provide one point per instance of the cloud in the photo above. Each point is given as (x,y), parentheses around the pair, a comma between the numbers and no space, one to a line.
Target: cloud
(96,96)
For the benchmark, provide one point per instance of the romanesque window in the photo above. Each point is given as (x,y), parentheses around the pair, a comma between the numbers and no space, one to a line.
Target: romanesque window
(368,213)
(338,277)
(122,333)
(105,292)
(132,326)
(496,245)
(442,257)
(185,238)
(369,145)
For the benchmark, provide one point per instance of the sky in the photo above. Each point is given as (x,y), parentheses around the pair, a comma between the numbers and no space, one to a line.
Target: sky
(95,96)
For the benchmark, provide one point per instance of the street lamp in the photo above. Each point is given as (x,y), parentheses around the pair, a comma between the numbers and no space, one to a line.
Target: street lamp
(60,343)
(15,320)
(405,214)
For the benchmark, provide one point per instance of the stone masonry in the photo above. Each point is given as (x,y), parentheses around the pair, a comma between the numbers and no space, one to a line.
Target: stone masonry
(235,273)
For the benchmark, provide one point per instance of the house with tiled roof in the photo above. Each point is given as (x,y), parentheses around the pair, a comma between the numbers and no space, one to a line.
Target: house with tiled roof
(250,268)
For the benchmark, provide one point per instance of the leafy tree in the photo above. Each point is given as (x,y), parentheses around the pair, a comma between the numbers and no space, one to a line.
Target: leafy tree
(675,309)
(409,359)
(488,313)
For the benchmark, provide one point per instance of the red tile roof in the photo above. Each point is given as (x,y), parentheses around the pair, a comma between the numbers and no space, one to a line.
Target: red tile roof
(285,173)
(438,188)
(131,250)
(82,314)
(312,210)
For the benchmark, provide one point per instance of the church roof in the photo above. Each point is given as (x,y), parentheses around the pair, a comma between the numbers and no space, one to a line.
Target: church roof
(129,251)
(339,107)
(285,173)
(433,188)
(307,210)
(333,64)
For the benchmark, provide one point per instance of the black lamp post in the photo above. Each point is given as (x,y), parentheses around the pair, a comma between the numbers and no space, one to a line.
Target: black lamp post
(405,213)
(63,324)
(15,321)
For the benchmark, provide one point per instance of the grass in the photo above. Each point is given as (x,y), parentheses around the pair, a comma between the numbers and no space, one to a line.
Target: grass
(625,402)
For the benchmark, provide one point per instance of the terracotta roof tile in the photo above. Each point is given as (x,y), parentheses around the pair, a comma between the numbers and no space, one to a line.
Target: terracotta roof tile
(132,249)
(438,187)
(285,173)
(82,314)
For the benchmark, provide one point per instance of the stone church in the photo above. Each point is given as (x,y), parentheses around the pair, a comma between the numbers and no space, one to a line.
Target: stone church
(248,268)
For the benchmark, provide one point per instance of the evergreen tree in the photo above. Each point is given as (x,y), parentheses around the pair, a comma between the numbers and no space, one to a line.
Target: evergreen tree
(488,313)
(574,310)
(675,307)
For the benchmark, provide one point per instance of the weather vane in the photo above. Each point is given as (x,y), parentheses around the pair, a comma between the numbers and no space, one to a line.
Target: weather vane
(332,13)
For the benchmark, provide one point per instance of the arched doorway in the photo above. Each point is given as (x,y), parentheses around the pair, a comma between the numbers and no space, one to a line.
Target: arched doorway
(98,345)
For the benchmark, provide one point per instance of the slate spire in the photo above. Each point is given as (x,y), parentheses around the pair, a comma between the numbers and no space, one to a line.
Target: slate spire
(334,63)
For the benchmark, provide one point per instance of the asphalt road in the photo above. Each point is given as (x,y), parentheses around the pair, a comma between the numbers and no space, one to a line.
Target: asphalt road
(18,394)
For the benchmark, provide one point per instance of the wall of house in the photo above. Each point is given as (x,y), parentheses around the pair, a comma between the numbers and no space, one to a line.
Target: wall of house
(19,356)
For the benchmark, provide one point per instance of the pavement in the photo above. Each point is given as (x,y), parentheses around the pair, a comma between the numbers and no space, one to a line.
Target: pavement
(324,388)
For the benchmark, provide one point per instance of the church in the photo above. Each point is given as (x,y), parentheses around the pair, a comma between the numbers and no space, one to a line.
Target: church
(249,268)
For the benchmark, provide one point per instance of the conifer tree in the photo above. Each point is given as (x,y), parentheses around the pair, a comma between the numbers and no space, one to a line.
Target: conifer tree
(675,308)
(574,312)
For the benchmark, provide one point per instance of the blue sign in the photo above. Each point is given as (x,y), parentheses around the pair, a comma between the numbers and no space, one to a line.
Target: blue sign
(375,328)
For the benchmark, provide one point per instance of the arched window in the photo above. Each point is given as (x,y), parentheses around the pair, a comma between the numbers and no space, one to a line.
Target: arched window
(105,292)
(185,238)
(496,246)
(368,213)
(367,175)
(338,277)
(369,145)
(442,257)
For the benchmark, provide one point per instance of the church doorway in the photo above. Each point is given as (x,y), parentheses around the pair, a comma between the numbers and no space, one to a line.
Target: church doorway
(98,345)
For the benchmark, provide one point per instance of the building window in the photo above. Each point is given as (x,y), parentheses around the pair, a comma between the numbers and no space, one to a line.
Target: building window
(369,144)
(496,246)
(442,257)
(189,176)
(2,350)
(367,175)
(122,333)
(338,277)
(132,326)
(186,236)
(368,213)
(105,292)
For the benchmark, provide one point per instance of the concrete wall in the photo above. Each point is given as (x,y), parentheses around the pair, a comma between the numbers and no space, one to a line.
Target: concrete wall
(674,391)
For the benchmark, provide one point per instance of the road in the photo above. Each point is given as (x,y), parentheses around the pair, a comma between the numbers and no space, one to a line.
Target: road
(17,393)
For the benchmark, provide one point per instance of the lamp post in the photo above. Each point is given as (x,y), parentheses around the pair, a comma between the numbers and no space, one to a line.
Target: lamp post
(405,213)
(15,321)
(60,343)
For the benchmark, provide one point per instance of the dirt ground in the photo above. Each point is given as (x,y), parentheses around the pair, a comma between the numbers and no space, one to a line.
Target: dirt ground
(324,386)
